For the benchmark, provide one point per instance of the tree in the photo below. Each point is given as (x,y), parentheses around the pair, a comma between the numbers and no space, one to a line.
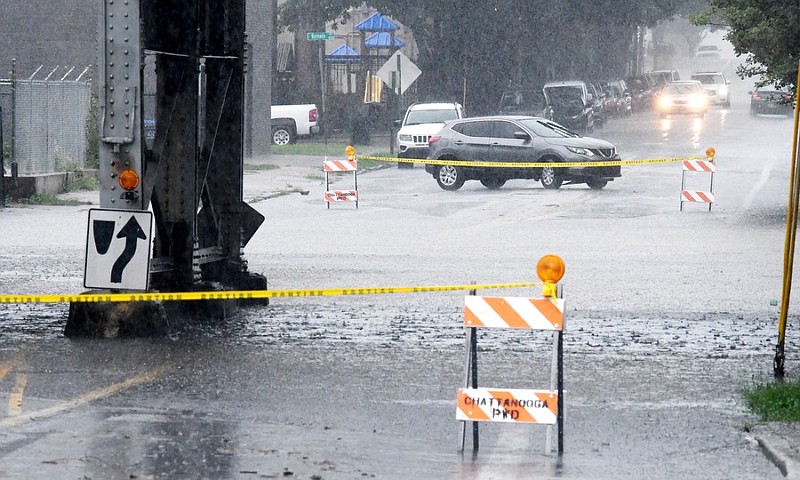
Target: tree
(765,31)
(490,44)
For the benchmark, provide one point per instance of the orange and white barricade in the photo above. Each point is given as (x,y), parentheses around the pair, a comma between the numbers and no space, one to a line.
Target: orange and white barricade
(701,167)
(340,166)
(512,405)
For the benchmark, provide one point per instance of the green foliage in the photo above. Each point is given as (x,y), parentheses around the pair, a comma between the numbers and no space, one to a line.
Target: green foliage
(48,199)
(775,402)
(319,149)
(765,31)
(260,166)
(83,182)
(475,49)
(92,154)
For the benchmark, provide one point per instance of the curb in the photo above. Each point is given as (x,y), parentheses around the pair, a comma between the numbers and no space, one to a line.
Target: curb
(776,451)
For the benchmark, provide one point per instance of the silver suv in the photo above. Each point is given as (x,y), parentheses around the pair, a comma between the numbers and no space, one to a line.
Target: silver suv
(717,87)
(420,122)
(519,139)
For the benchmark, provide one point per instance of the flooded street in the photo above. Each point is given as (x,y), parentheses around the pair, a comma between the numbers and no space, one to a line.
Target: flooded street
(669,317)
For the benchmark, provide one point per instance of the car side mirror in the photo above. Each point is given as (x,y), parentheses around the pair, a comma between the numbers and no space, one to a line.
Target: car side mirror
(397,123)
(520,135)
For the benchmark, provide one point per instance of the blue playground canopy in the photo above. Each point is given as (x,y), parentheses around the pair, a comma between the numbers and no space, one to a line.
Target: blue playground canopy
(382,40)
(343,54)
(377,23)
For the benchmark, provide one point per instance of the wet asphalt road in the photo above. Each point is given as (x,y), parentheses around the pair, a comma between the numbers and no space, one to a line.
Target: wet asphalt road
(668,319)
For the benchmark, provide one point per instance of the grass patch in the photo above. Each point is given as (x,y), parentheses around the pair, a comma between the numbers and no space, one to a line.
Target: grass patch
(366,164)
(260,166)
(319,149)
(86,183)
(49,199)
(776,401)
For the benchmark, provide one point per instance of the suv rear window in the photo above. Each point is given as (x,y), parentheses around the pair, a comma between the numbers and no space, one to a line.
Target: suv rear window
(708,78)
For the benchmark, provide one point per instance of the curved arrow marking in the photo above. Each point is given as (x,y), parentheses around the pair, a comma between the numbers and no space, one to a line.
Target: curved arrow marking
(131,232)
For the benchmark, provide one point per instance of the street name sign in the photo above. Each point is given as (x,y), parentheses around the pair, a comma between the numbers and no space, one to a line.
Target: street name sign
(316,36)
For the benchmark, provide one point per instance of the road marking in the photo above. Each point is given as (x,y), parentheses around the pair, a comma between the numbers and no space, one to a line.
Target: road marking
(15,398)
(81,400)
(762,180)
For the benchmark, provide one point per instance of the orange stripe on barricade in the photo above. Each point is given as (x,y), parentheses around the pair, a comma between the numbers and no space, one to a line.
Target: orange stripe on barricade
(339,165)
(699,166)
(514,312)
(699,197)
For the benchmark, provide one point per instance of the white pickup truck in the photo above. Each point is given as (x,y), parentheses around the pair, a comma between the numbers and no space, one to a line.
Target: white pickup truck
(292,121)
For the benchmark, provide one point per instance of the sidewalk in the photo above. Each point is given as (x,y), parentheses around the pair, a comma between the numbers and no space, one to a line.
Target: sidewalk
(269,176)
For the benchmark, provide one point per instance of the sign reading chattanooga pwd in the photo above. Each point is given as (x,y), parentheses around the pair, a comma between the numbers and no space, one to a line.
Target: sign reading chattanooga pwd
(118,249)
(507,405)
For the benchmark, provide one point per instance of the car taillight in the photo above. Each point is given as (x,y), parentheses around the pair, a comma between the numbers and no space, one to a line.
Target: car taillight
(756,96)
(312,115)
(433,139)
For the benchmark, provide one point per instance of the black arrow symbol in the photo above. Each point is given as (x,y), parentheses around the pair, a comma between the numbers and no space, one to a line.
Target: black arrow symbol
(131,232)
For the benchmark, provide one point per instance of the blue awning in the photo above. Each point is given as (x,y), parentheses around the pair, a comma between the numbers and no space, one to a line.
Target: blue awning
(377,23)
(343,54)
(382,40)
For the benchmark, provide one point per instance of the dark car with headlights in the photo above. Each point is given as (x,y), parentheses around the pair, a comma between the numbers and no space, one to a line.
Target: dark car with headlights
(771,101)
(518,139)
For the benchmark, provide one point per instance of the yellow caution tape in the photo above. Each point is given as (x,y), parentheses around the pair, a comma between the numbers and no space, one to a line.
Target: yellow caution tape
(244,294)
(473,163)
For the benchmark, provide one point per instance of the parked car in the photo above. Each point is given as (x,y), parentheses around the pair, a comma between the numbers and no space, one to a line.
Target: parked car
(771,101)
(512,138)
(642,90)
(572,104)
(618,91)
(659,78)
(683,97)
(716,86)
(528,101)
(292,121)
(598,103)
(420,121)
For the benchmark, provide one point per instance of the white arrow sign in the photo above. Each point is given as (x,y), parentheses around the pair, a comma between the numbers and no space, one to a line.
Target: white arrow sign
(118,249)
(401,67)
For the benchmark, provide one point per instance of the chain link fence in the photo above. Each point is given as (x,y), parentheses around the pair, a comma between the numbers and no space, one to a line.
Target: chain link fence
(46,115)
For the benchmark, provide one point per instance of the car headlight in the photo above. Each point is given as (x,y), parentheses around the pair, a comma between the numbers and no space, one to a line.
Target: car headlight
(404,138)
(581,151)
(664,102)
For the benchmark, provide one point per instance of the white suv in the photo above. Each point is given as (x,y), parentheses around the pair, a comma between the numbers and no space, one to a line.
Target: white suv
(717,87)
(421,121)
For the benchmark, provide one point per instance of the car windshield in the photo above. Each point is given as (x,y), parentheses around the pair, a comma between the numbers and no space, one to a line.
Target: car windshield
(546,128)
(419,117)
(675,89)
(564,94)
(709,79)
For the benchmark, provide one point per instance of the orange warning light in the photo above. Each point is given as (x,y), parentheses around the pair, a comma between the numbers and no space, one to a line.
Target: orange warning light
(350,151)
(550,268)
(128,179)
(710,152)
